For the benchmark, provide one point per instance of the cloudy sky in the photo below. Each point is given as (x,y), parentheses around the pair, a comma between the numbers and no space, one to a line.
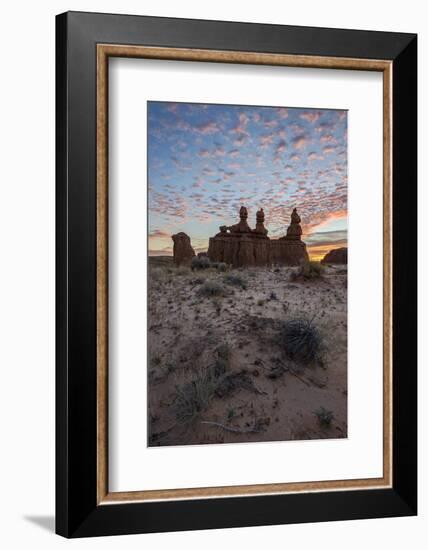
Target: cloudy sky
(205,161)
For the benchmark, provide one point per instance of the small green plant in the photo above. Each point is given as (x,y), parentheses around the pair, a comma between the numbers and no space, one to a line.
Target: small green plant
(200,262)
(193,397)
(235,280)
(301,340)
(260,302)
(230,413)
(210,289)
(324,416)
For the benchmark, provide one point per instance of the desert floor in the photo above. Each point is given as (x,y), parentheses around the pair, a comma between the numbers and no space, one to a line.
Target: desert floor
(218,369)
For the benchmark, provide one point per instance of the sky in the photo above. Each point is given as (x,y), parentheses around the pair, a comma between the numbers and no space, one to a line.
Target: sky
(205,161)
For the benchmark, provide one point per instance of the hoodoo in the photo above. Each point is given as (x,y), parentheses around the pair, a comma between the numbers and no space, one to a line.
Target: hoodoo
(182,250)
(241,246)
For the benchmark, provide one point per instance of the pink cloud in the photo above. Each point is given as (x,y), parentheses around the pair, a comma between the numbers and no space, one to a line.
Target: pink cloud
(313,156)
(266,140)
(282,112)
(281,147)
(328,138)
(158,234)
(172,107)
(241,127)
(300,141)
(208,128)
(270,124)
(310,116)
(240,140)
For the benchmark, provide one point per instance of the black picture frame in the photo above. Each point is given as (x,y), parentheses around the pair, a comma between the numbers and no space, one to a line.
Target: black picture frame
(77,511)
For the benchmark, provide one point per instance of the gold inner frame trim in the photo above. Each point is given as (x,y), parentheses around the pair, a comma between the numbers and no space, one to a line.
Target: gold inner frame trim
(104,51)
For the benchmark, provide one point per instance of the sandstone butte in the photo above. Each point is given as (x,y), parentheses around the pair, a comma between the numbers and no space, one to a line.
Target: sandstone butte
(182,249)
(241,246)
(336,256)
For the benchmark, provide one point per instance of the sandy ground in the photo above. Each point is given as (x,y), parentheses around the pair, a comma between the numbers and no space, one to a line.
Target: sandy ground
(222,358)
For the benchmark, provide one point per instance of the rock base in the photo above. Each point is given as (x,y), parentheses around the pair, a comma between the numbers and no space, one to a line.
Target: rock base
(251,250)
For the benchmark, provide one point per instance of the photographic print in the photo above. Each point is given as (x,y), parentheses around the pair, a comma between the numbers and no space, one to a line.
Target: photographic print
(247,273)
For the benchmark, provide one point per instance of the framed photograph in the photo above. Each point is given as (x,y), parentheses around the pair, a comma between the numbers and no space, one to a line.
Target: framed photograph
(236,274)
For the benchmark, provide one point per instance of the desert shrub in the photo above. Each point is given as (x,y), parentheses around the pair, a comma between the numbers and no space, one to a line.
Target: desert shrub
(156,274)
(222,360)
(309,270)
(324,416)
(198,280)
(301,340)
(156,360)
(210,289)
(315,269)
(193,397)
(200,262)
(273,296)
(182,270)
(221,266)
(235,280)
(234,381)
(217,303)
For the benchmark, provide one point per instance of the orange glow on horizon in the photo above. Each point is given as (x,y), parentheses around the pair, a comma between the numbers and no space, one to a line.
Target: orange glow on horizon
(317,252)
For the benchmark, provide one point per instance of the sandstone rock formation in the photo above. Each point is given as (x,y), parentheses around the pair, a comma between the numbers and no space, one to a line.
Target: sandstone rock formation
(260,218)
(336,256)
(182,250)
(242,226)
(294,231)
(239,245)
(290,250)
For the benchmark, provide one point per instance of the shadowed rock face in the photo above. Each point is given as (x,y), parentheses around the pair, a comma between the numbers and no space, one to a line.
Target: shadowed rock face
(337,256)
(241,246)
(288,252)
(182,250)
